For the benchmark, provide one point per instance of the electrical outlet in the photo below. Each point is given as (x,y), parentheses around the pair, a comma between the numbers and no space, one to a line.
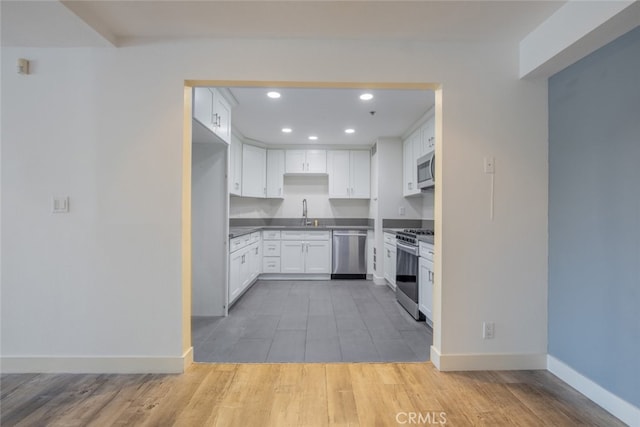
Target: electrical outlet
(401,210)
(488,330)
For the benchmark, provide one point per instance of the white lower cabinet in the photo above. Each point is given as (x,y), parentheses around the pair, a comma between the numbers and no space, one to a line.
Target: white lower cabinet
(389,258)
(292,256)
(305,252)
(389,264)
(425,282)
(238,273)
(245,263)
(318,257)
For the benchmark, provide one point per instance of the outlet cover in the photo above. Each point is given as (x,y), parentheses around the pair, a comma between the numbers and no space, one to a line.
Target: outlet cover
(488,330)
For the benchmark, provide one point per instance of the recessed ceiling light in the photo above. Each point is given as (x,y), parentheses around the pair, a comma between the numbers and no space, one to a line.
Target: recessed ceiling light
(349,131)
(273,94)
(366,96)
(286,130)
(313,138)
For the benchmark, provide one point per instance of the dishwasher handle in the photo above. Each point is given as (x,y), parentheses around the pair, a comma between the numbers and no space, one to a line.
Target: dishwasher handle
(350,233)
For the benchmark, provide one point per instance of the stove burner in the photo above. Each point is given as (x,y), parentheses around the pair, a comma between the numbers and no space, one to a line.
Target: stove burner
(409,235)
(419,231)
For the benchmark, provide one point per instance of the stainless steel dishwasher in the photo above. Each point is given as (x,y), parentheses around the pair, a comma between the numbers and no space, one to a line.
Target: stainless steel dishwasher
(349,255)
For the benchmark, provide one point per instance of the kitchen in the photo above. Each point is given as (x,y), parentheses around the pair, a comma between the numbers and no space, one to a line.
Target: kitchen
(291,197)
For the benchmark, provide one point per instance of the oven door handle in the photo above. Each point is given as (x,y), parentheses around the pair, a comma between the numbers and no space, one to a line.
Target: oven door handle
(413,250)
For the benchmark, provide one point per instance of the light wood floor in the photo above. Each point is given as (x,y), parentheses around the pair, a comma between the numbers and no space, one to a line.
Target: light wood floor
(247,395)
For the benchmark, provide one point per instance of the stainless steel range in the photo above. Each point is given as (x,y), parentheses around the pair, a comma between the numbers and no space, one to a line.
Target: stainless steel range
(407,269)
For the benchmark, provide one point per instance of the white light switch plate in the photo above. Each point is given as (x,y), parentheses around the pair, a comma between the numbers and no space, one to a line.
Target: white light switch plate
(61,204)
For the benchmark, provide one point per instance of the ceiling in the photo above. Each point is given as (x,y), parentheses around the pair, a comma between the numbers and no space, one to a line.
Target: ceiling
(324,112)
(54,23)
(327,113)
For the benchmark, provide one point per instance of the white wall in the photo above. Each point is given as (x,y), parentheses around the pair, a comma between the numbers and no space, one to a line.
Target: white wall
(208,229)
(296,188)
(105,127)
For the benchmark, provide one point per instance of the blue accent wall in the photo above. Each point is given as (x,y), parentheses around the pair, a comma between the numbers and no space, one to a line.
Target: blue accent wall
(594,216)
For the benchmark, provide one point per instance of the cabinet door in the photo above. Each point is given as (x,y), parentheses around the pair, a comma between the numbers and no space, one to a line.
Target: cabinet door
(295,161)
(254,164)
(203,106)
(235,274)
(411,147)
(316,161)
(425,290)
(389,264)
(318,257)
(275,174)
(235,166)
(291,256)
(360,168)
(393,251)
(255,261)
(428,136)
(221,117)
(338,170)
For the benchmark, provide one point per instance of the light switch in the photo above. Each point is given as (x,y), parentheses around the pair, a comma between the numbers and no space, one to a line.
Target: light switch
(61,204)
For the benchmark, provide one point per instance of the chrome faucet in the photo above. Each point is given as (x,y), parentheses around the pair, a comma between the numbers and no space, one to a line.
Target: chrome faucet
(305,220)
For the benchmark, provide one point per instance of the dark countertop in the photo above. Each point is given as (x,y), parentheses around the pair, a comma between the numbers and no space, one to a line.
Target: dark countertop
(391,230)
(241,231)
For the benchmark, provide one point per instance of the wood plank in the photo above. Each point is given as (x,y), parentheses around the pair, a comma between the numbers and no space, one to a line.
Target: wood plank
(299,394)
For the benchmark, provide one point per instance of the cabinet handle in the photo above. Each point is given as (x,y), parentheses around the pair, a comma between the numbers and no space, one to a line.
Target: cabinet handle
(303,166)
(256,251)
(307,248)
(302,248)
(410,185)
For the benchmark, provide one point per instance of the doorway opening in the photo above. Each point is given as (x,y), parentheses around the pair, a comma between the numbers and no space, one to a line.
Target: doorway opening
(207,257)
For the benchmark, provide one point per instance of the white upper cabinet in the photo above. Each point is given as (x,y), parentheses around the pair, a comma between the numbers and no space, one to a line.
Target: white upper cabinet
(428,136)
(412,147)
(349,174)
(213,111)
(339,177)
(306,161)
(275,174)
(235,166)
(254,176)
(360,169)
(419,143)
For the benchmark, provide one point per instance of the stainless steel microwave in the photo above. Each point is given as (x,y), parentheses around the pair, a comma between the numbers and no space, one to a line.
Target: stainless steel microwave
(426,170)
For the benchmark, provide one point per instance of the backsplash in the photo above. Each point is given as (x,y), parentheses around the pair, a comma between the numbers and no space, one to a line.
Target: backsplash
(407,223)
(288,222)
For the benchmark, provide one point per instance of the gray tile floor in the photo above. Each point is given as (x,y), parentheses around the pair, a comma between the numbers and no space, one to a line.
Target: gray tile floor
(313,321)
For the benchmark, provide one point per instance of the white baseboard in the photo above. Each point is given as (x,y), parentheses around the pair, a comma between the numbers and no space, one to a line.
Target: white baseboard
(97,365)
(487,362)
(620,408)
(379,280)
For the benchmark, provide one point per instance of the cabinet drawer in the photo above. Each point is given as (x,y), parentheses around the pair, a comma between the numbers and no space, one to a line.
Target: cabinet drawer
(238,243)
(317,235)
(255,237)
(390,239)
(271,248)
(292,235)
(271,234)
(271,264)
